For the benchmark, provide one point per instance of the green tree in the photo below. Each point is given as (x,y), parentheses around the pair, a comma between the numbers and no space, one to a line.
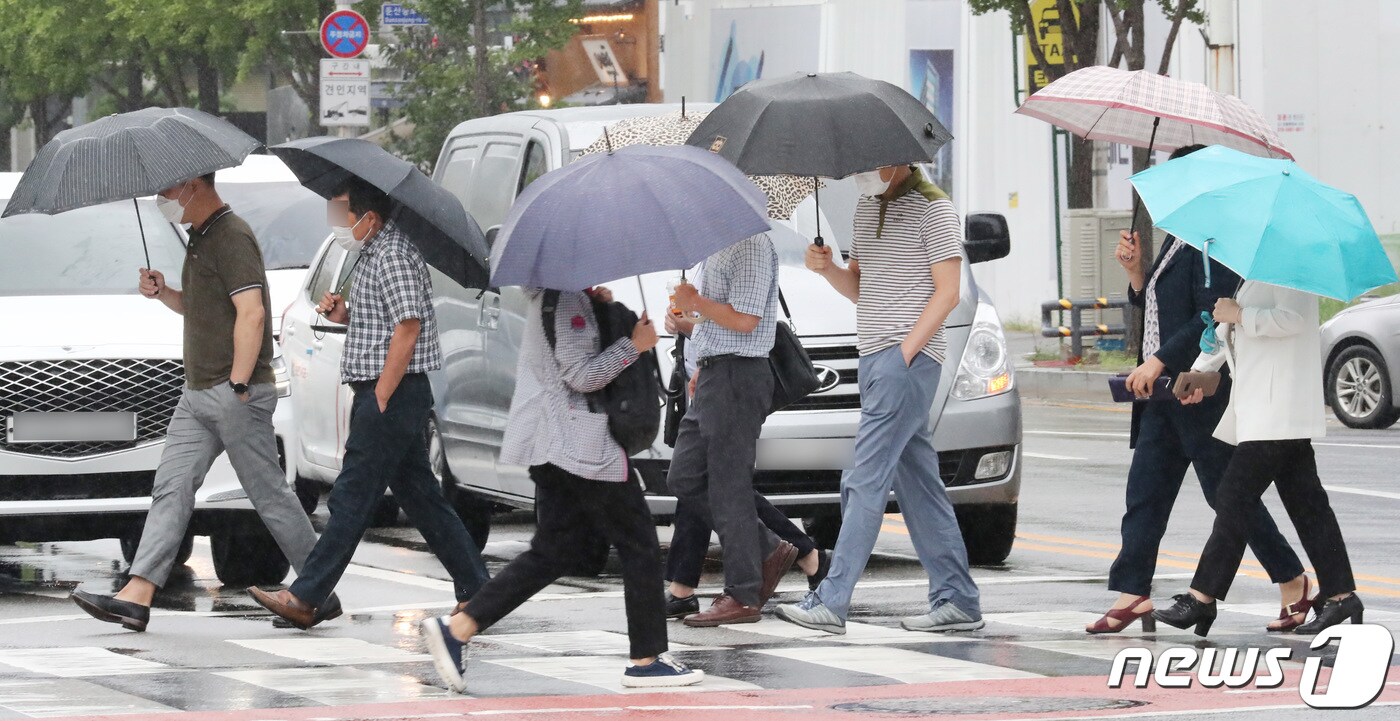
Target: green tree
(447,81)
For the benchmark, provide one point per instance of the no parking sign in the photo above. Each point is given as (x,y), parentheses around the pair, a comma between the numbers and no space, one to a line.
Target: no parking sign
(345,33)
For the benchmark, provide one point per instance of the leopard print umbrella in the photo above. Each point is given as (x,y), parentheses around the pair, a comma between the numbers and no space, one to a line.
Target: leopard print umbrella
(784,192)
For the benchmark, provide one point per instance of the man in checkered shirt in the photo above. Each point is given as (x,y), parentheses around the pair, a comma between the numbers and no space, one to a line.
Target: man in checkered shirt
(391,343)
(712,467)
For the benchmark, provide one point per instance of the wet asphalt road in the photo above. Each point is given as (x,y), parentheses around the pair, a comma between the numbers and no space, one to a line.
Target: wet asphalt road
(210,649)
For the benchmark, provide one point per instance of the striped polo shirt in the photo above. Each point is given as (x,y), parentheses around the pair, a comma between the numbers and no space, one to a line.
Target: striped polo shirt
(895,243)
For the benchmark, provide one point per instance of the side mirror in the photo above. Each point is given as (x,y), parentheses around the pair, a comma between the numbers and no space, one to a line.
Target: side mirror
(986,237)
(491,236)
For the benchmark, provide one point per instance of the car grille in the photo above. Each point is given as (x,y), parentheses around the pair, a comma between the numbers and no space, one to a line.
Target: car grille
(87,486)
(149,388)
(845,360)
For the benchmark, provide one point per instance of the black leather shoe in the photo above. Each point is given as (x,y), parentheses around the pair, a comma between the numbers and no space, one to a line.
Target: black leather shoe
(328,611)
(681,607)
(823,568)
(1333,613)
(1188,612)
(132,616)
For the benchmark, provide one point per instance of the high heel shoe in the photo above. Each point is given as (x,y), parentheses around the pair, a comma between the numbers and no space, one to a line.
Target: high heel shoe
(1287,613)
(1188,611)
(1333,613)
(1125,617)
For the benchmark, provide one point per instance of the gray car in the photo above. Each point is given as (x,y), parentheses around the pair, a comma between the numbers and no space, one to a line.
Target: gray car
(1361,359)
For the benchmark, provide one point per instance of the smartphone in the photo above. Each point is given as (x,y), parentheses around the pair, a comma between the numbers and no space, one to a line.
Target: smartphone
(1191,381)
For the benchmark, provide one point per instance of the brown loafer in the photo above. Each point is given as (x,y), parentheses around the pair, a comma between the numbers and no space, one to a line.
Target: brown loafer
(290,608)
(723,611)
(778,563)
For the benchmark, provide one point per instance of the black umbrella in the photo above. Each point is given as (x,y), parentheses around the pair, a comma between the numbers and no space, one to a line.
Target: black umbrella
(130,155)
(827,125)
(435,221)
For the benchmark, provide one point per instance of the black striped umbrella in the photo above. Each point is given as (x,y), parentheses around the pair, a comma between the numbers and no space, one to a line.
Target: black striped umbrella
(127,156)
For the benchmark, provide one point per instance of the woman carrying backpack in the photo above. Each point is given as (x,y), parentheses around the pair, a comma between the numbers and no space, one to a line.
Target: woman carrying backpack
(583,486)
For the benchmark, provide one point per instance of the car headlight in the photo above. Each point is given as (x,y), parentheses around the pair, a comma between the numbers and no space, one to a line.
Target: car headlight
(281,376)
(985,369)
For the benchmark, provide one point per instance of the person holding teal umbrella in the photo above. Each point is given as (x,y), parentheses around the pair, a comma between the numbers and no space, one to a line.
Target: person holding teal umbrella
(1292,239)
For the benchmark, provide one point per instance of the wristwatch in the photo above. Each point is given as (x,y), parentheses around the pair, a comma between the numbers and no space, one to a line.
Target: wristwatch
(239,388)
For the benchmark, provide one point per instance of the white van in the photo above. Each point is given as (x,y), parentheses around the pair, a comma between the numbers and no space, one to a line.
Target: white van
(486,162)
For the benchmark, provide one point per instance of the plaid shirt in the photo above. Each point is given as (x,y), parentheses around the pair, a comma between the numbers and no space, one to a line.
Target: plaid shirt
(390,285)
(744,275)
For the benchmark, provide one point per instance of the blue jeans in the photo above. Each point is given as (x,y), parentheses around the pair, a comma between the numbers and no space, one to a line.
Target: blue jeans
(894,449)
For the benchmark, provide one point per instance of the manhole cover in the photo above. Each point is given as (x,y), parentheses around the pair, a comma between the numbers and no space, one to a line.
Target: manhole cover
(985,704)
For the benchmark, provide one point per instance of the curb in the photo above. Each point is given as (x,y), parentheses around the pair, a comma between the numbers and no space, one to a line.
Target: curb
(1063,384)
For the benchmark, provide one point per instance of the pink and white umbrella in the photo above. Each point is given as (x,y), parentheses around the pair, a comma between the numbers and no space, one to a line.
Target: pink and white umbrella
(1147,110)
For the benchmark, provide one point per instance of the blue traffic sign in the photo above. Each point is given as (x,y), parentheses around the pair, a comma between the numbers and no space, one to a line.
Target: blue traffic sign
(345,33)
(395,14)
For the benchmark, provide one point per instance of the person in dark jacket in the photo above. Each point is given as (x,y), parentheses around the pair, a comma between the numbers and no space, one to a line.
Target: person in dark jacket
(1168,437)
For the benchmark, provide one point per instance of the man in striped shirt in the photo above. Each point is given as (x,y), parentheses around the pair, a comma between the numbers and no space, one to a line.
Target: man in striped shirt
(904,275)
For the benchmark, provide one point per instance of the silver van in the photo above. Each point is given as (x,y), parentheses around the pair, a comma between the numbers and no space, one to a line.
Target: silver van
(486,162)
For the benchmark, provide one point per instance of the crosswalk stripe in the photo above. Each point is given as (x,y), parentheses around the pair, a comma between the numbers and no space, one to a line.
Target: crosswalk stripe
(340,686)
(588,642)
(40,698)
(605,672)
(329,651)
(897,663)
(78,661)
(1075,621)
(856,633)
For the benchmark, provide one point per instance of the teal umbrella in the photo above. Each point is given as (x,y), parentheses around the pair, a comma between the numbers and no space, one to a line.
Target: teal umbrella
(1268,221)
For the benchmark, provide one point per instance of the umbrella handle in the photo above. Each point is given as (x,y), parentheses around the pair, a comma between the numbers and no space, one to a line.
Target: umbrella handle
(1137,199)
(817,196)
(144,249)
(1205,252)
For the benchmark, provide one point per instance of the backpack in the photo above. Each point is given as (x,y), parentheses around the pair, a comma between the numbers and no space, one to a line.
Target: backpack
(632,401)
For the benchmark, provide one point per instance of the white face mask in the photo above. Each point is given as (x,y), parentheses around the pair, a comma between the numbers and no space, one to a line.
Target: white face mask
(172,209)
(345,236)
(871,184)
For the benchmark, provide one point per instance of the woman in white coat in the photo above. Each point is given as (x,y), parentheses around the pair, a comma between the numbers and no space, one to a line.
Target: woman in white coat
(1270,338)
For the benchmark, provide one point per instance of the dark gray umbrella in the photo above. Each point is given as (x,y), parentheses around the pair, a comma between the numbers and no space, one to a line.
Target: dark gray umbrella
(127,156)
(435,221)
(827,125)
(638,210)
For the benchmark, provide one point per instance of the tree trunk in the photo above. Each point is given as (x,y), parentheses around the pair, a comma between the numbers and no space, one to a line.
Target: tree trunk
(135,86)
(207,82)
(480,87)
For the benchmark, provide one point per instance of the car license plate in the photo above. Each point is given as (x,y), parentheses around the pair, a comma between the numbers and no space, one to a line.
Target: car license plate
(69,427)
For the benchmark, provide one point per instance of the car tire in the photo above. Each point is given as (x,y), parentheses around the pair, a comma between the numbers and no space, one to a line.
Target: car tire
(823,529)
(247,555)
(131,543)
(988,531)
(308,494)
(474,510)
(1358,389)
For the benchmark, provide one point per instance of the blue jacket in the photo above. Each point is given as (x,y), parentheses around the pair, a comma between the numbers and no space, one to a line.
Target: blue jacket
(1181,297)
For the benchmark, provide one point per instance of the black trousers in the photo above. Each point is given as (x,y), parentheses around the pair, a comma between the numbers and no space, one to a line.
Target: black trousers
(1292,467)
(389,450)
(571,509)
(1164,452)
(690,538)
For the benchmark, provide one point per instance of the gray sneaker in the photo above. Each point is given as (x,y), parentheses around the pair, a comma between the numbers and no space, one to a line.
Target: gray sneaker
(945,617)
(810,613)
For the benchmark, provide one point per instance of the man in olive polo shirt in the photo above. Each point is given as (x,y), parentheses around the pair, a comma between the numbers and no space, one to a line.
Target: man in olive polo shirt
(227,402)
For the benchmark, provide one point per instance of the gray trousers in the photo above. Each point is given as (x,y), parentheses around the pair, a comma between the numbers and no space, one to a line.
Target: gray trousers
(205,424)
(712,467)
(894,449)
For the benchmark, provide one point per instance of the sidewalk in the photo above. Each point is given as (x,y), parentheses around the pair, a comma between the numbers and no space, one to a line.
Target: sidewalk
(1054,383)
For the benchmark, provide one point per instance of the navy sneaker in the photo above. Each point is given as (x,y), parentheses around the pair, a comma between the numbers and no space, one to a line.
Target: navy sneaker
(664,671)
(449,654)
